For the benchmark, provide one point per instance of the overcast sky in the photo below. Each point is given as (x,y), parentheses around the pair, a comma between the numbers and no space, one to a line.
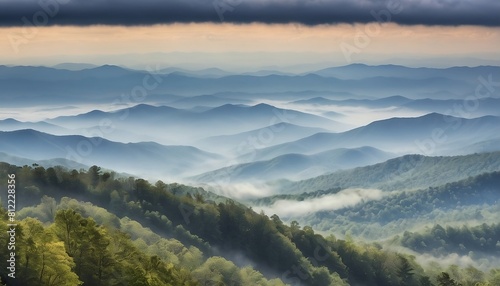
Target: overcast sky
(309,12)
(268,32)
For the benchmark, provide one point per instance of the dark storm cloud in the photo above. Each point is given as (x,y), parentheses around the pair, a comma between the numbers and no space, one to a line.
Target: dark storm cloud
(309,12)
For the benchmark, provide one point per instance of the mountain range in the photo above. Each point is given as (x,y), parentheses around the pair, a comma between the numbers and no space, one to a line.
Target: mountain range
(105,84)
(429,134)
(481,107)
(135,158)
(281,150)
(296,166)
(270,135)
(359,71)
(169,124)
(408,172)
(405,159)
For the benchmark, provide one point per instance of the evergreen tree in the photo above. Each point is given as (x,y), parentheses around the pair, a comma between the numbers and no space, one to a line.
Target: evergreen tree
(405,271)
(444,279)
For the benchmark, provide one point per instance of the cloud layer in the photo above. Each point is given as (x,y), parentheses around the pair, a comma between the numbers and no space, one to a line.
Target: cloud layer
(310,12)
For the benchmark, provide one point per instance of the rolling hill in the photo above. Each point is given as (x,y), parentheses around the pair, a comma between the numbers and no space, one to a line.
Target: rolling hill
(484,106)
(373,103)
(271,135)
(11,124)
(471,200)
(408,172)
(105,84)
(135,158)
(168,122)
(296,166)
(359,71)
(430,134)
(208,100)
(14,160)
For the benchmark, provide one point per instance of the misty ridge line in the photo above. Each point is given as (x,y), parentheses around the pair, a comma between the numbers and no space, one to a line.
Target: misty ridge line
(438,136)
(112,86)
(96,141)
(380,135)
(469,104)
(251,145)
(218,64)
(352,199)
(265,135)
(79,70)
(291,166)
(137,94)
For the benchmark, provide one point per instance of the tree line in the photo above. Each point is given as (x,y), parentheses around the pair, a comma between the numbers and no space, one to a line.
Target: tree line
(191,219)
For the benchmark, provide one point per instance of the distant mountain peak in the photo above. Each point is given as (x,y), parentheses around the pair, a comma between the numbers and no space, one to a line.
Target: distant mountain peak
(142,106)
(74,66)
(357,65)
(145,108)
(107,66)
(28,131)
(263,106)
(433,114)
(396,97)
(438,116)
(10,120)
(95,112)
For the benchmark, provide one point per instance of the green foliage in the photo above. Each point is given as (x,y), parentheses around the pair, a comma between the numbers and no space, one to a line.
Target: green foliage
(42,259)
(467,200)
(408,172)
(444,279)
(405,272)
(131,232)
(462,240)
(75,250)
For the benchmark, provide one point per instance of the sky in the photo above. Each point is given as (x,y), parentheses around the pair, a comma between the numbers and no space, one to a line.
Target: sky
(248,35)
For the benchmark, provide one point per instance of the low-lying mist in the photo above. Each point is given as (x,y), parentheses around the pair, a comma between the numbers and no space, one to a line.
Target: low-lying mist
(480,261)
(355,116)
(342,199)
(240,191)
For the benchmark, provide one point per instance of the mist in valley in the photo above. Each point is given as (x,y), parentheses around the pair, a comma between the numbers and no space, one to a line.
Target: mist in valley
(271,143)
(343,199)
(339,150)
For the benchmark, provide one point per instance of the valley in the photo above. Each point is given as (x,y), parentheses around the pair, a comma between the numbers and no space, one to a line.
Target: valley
(243,178)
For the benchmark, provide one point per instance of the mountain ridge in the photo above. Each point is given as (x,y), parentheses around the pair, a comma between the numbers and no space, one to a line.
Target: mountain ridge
(296,166)
(156,159)
(393,133)
(403,173)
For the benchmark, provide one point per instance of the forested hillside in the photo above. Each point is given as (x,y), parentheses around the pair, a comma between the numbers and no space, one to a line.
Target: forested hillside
(482,239)
(408,172)
(472,200)
(101,229)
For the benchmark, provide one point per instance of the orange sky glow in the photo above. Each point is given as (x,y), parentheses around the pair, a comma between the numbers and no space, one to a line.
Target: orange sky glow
(20,44)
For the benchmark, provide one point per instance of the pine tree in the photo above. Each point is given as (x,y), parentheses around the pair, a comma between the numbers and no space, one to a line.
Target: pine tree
(405,271)
(444,279)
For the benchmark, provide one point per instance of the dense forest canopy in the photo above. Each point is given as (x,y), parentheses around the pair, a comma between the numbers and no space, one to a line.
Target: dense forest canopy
(96,228)
(409,172)
(474,200)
